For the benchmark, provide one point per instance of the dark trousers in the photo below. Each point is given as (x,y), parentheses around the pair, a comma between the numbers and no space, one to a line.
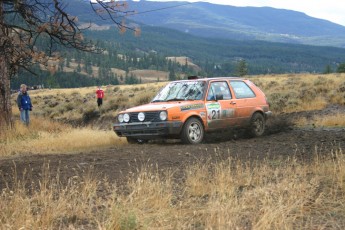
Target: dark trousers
(99,101)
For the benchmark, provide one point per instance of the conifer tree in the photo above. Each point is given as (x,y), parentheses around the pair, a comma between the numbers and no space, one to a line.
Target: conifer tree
(242,68)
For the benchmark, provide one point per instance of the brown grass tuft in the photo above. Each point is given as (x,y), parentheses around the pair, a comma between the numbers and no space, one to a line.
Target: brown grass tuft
(44,136)
(270,194)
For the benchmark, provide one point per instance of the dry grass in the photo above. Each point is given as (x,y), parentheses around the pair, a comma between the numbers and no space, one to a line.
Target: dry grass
(286,93)
(56,92)
(332,120)
(150,75)
(49,134)
(291,196)
(302,92)
(44,136)
(231,194)
(271,194)
(146,75)
(75,105)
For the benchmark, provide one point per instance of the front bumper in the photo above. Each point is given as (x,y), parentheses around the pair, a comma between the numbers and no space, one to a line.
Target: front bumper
(148,130)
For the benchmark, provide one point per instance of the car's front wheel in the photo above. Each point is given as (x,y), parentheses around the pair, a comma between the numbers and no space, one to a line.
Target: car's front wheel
(257,125)
(192,132)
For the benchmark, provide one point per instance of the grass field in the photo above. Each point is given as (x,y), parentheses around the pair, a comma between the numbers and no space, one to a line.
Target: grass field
(229,194)
(52,108)
(268,194)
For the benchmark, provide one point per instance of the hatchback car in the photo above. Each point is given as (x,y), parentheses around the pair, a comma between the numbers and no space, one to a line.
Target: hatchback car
(187,109)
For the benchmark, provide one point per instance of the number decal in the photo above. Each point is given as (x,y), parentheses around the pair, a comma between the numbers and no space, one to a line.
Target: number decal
(215,114)
(213,111)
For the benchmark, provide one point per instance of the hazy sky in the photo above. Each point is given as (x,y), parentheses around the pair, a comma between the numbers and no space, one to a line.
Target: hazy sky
(332,10)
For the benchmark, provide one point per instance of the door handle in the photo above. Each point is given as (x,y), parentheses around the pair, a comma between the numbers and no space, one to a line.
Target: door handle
(232,103)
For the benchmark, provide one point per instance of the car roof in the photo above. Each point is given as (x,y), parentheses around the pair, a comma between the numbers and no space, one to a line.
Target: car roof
(212,79)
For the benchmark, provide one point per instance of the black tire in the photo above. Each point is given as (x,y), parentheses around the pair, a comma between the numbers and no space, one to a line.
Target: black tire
(257,125)
(192,131)
(132,140)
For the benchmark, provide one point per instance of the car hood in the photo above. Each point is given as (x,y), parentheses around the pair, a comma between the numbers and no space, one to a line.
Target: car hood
(161,106)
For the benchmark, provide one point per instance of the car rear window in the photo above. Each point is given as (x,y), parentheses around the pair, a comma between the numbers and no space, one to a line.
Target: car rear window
(242,90)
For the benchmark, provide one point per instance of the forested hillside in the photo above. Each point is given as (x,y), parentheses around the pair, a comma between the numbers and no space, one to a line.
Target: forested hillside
(262,57)
(226,22)
(126,56)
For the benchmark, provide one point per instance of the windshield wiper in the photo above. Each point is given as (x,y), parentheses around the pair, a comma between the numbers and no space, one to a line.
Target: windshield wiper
(157,101)
(176,99)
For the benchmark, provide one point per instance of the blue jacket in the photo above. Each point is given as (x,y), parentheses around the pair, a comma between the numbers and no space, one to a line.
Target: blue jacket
(24,101)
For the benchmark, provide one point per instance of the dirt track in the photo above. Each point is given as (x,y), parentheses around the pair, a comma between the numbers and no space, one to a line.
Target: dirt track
(117,163)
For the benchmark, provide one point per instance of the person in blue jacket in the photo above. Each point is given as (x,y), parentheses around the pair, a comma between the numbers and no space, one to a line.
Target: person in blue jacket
(24,104)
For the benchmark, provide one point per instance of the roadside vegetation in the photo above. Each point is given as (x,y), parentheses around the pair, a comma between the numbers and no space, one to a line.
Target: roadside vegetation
(71,116)
(79,107)
(229,194)
(302,92)
(44,136)
(286,94)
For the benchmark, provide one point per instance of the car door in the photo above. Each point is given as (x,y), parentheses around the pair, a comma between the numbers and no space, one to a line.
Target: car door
(245,101)
(219,106)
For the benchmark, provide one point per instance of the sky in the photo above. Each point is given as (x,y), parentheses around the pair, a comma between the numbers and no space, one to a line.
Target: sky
(331,10)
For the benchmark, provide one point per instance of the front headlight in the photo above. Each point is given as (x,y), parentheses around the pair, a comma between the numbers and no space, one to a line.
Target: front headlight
(141,116)
(126,117)
(163,115)
(120,118)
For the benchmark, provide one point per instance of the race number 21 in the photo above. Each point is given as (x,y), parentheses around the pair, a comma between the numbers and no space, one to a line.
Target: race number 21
(215,114)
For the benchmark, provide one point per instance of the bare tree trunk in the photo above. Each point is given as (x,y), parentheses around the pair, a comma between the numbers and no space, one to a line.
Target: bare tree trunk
(5,89)
(5,97)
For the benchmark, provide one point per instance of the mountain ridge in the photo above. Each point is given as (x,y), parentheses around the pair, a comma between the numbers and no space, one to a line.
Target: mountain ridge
(250,23)
(226,22)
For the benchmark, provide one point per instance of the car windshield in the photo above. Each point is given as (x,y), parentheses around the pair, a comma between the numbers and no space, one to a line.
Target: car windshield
(181,91)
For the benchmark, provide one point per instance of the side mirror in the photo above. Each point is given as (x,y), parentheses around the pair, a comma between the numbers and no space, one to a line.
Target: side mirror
(219,97)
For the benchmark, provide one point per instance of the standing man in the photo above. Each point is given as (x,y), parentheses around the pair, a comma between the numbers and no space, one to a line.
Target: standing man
(24,104)
(100,95)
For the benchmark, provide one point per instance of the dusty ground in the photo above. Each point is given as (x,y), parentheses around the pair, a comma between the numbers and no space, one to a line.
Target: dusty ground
(281,141)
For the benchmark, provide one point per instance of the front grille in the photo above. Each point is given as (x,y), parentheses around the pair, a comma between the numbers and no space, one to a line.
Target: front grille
(149,116)
(159,131)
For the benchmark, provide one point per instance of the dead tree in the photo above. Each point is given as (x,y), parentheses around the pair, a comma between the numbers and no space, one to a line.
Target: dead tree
(23,22)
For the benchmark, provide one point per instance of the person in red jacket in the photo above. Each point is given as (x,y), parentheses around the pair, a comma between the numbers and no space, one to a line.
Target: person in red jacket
(100,95)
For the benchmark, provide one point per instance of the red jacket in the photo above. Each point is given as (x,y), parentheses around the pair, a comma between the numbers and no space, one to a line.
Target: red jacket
(100,93)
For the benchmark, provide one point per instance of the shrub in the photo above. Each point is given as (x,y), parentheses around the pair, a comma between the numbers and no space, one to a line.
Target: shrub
(144,98)
(116,88)
(90,115)
(52,104)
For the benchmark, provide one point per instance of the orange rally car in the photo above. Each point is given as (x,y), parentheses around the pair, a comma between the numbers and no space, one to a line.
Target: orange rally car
(186,109)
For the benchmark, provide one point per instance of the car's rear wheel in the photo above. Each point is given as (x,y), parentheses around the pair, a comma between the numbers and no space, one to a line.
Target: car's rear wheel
(257,125)
(192,132)
(132,140)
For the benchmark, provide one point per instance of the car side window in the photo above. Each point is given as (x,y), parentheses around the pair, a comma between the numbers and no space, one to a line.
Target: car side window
(219,88)
(242,90)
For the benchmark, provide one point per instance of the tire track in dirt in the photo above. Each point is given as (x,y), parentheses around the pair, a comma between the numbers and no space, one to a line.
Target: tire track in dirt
(118,163)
